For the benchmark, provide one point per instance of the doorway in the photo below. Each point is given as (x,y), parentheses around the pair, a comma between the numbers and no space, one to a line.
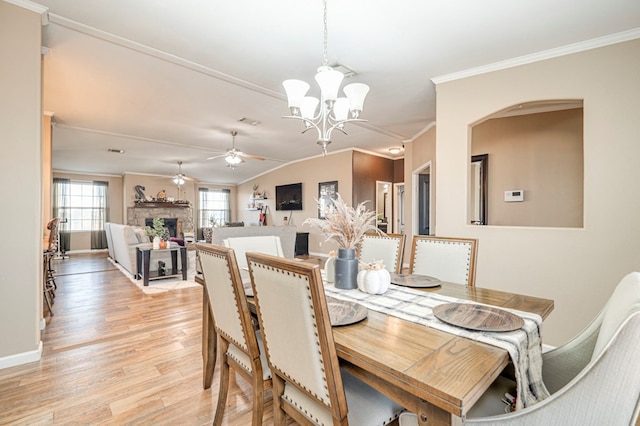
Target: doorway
(398,208)
(421,180)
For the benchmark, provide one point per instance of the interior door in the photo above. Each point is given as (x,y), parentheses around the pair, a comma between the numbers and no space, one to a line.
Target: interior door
(423,204)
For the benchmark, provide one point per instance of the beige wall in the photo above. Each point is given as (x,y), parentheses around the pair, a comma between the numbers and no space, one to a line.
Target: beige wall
(576,267)
(81,241)
(420,157)
(21,139)
(540,154)
(47,173)
(335,166)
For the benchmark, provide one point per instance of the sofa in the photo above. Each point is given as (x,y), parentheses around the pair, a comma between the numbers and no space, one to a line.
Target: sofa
(287,235)
(122,242)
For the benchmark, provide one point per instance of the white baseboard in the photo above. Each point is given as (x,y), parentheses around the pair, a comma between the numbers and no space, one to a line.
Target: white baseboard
(43,324)
(86,251)
(547,348)
(23,358)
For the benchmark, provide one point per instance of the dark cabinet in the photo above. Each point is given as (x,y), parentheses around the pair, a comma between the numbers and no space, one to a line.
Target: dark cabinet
(302,243)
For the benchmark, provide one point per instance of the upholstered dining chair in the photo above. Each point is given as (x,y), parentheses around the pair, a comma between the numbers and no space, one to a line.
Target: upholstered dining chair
(240,345)
(308,385)
(594,379)
(388,248)
(448,259)
(269,244)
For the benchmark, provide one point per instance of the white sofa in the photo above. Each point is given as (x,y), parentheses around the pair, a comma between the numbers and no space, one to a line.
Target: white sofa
(123,240)
(287,235)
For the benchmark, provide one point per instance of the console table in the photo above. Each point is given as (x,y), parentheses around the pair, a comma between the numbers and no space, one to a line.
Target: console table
(143,260)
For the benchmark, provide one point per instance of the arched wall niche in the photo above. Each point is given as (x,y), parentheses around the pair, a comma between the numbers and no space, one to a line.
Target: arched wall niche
(527,166)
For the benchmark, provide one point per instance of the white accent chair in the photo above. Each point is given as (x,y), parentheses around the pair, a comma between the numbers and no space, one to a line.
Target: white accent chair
(594,379)
(448,259)
(388,248)
(240,346)
(308,385)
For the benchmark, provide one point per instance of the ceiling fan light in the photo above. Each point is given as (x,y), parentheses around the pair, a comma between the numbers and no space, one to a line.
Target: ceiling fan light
(341,109)
(233,159)
(178,180)
(296,90)
(395,150)
(356,92)
(329,81)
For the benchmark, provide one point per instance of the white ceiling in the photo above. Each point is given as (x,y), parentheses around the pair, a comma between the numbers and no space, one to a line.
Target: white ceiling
(167,81)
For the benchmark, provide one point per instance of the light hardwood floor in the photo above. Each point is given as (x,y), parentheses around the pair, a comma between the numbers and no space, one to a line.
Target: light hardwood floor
(114,355)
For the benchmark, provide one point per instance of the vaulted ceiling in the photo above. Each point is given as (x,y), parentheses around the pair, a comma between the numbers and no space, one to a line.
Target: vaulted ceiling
(168,81)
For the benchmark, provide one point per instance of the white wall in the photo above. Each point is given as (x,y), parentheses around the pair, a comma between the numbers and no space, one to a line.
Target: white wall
(577,268)
(21,172)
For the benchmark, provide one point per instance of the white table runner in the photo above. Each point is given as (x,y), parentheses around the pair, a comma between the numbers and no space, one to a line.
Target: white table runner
(524,345)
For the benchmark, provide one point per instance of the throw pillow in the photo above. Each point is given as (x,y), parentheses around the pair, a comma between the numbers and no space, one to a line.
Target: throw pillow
(141,235)
(130,235)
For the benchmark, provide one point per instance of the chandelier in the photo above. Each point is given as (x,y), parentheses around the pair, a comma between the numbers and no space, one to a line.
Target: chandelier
(333,111)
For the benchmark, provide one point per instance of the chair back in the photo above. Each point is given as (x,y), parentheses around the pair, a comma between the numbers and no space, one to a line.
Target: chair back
(227,297)
(296,329)
(388,248)
(268,244)
(448,259)
(52,226)
(624,302)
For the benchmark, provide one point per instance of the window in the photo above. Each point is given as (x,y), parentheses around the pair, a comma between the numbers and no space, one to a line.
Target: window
(82,204)
(215,204)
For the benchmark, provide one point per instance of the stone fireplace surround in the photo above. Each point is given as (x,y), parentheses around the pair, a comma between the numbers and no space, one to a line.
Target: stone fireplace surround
(139,212)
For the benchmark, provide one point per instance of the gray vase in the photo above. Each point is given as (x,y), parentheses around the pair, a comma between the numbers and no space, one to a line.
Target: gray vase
(346,268)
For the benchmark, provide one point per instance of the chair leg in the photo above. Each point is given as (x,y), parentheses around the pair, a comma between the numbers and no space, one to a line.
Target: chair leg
(279,415)
(224,388)
(258,400)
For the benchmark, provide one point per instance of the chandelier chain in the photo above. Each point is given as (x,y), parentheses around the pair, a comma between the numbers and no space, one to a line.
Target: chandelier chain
(325,60)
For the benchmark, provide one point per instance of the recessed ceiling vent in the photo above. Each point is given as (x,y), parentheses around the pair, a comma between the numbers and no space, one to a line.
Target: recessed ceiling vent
(249,121)
(348,72)
(116,151)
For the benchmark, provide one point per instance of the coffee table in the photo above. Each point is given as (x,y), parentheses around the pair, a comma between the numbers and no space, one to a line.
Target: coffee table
(143,260)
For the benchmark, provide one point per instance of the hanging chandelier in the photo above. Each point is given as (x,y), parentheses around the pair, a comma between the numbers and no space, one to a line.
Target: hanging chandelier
(333,111)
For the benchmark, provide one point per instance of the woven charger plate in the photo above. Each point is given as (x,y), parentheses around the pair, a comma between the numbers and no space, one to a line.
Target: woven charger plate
(343,312)
(415,281)
(477,317)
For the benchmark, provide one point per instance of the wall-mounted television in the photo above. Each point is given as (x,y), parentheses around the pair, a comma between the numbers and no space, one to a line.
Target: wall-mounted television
(289,197)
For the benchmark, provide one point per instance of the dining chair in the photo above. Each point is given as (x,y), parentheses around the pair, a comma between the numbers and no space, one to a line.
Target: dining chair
(269,244)
(308,384)
(240,345)
(448,259)
(594,379)
(388,248)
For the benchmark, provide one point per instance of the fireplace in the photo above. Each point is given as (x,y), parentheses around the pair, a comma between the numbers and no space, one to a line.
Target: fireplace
(170,223)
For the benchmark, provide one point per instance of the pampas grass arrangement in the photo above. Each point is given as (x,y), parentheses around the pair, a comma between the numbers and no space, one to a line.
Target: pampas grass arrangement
(343,224)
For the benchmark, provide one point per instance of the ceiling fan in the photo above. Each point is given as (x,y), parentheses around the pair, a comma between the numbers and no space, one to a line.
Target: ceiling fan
(179,179)
(235,156)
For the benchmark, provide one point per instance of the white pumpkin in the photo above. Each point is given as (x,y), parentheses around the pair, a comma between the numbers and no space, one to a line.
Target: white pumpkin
(374,281)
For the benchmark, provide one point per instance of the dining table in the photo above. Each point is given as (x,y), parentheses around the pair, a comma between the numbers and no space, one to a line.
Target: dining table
(428,371)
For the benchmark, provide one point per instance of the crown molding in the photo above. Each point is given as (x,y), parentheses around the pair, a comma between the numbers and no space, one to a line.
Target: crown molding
(541,56)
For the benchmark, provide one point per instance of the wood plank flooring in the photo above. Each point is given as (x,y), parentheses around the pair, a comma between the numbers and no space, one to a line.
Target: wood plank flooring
(114,355)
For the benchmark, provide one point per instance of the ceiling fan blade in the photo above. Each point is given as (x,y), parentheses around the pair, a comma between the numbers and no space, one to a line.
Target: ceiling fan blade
(217,156)
(255,157)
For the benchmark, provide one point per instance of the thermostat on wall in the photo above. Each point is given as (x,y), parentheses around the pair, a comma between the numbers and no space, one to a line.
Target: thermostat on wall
(514,195)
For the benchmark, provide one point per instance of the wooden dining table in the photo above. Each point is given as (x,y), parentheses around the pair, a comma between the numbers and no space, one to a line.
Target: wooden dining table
(429,372)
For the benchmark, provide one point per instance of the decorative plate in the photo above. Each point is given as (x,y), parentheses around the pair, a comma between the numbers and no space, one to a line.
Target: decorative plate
(413,280)
(343,312)
(477,317)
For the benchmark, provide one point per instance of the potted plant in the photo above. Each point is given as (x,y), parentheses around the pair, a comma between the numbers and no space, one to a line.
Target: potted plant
(345,226)
(158,232)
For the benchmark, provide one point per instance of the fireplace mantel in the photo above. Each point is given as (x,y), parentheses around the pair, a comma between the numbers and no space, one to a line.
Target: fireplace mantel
(162,205)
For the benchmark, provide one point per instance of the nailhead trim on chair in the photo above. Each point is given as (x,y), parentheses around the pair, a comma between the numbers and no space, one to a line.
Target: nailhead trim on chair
(458,243)
(325,398)
(242,345)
